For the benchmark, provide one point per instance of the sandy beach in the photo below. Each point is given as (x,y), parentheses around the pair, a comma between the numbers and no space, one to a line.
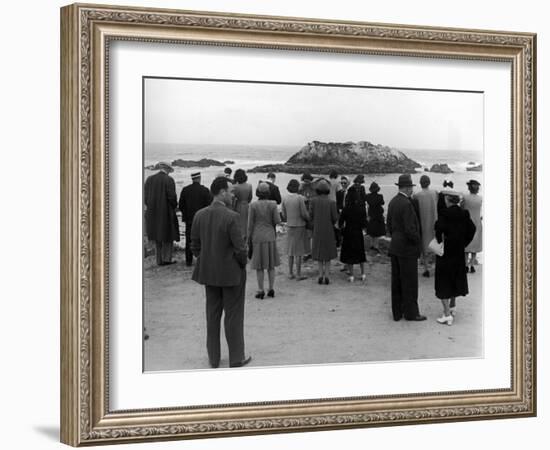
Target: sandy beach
(306,323)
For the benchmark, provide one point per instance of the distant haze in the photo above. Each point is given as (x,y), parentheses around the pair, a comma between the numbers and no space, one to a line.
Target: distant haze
(222,113)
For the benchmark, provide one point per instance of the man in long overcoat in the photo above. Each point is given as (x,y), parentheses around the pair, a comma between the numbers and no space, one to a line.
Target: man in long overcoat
(404,228)
(192,198)
(217,242)
(161,222)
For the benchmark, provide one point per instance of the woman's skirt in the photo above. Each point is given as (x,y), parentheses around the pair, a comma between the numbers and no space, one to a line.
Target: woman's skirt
(353,247)
(450,276)
(296,241)
(376,227)
(265,256)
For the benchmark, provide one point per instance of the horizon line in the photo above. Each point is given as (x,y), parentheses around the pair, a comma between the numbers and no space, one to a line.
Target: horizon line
(302,145)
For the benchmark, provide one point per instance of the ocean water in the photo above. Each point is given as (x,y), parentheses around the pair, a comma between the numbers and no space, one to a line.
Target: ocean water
(247,157)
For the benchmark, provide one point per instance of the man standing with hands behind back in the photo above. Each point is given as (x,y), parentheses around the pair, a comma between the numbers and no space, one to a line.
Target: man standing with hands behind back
(192,198)
(404,229)
(217,242)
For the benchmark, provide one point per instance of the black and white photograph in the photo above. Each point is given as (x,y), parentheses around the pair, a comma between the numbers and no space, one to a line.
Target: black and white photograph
(294,224)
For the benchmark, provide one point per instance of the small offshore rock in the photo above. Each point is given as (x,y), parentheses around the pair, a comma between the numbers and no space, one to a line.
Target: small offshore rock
(441,168)
(478,168)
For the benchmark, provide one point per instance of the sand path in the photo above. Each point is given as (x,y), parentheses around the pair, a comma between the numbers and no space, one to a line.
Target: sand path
(307,323)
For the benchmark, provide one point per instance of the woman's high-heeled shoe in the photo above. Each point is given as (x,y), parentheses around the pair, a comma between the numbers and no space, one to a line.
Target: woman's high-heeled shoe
(320,280)
(271,293)
(260,295)
(445,320)
(327,281)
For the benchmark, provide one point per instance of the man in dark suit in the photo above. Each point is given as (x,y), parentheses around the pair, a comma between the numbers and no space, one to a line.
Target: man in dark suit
(161,222)
(192,198)
(274,193)
(404,228)
(217,242)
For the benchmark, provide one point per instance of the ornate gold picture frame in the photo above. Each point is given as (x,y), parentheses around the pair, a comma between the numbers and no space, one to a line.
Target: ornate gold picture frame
(87,32)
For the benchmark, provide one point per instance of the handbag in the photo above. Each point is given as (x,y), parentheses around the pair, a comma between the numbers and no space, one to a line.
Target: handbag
(436,247)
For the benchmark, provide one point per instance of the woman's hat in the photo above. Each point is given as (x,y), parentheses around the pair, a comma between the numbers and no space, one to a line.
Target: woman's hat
(323,185)
(307,177)
(359,179)
(450,192)
(405,180)
(474,183)
(263,187)
(448,183)
(374,187)
(164,165)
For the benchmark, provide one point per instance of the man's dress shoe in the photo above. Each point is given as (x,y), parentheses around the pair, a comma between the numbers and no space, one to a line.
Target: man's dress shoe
(242,363)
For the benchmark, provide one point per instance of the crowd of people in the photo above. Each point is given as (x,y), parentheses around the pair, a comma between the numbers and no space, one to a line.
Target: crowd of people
(225,227)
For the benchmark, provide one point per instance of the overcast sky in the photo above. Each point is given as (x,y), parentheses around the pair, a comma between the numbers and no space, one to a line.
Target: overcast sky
(213,112)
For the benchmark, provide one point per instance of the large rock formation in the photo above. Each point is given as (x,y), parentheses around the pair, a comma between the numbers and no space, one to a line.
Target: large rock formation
(441,168)
(347,157)
(204,162)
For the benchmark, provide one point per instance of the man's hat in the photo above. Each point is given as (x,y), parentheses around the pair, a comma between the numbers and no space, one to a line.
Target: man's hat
(195,175)
(164,165)
(405,180)
(473,182)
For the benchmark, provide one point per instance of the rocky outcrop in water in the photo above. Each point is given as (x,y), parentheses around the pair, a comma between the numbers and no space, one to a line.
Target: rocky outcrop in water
(205,162)
(478,168)
(441,168)
(347,157)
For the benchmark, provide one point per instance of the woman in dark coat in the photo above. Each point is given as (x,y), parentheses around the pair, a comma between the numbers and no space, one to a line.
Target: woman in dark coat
(376,226)
(456,230)
(323,216)
(352,222)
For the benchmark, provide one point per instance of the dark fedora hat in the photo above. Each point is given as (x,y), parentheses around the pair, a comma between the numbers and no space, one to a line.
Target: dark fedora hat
(405,180)
(473,182)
